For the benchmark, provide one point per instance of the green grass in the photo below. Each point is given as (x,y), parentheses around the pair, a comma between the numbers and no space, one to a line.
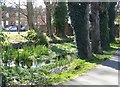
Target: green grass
(86,66)
(57,39)
(80,66)
(70,74)
(14,37)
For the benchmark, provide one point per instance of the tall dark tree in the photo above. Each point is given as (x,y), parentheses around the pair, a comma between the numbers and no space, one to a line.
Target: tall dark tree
(79,14)
(60,18)
(112,14)
(104,29)
(96,42)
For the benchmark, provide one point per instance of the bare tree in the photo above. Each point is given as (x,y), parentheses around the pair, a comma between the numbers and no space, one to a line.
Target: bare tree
(48,18)
(30,14)
(50,7)
(0,14)
(3,12)
(39,13)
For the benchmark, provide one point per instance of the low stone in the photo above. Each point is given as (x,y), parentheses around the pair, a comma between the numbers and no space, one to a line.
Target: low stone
(55,70)
(71,67)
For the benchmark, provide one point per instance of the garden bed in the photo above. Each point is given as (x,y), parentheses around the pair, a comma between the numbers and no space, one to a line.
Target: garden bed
(61,63)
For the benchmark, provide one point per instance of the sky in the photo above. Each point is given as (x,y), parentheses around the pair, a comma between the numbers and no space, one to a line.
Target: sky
(36,2)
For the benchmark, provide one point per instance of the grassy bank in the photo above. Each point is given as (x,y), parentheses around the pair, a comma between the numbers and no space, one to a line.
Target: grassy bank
(86,65)
(62,53)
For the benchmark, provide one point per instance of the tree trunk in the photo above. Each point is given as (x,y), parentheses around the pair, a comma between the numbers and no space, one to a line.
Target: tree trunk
(96,43)
(112,14)
(104,30)
(48,19)
(30,14)
(79,14)
(60,31)
(0,16)
(4,23)
(4,18)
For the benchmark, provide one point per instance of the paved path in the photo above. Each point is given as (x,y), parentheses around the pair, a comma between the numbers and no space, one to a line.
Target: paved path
(105,74)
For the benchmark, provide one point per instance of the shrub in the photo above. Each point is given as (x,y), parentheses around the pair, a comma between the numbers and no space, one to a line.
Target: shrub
(41,39)
(31,35)
(23,57)
(37,37)
(2,36)
(7,55)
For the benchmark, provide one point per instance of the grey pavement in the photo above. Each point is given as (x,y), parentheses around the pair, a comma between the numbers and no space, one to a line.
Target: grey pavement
(105,74)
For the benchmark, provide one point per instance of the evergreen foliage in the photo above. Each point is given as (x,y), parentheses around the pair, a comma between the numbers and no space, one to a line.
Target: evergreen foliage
(60,18)
(112,14)
(79,14)
(104,29)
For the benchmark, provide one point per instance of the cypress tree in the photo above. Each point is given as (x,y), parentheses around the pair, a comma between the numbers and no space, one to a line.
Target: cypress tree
(96,42)
(60,18)
(79,14)
(104,29)
(112,13)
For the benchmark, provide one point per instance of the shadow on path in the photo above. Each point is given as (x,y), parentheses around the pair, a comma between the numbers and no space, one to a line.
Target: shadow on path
(113,63)
(105,74)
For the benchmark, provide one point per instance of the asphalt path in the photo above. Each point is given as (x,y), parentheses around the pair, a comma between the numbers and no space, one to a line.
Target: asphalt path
(105,74)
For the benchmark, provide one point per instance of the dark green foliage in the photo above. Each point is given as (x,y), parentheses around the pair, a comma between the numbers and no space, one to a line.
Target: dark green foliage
(104,29)
(26,55)
(112,15)
(79,20)
(60,18)
(41,39)
(40,75)
(20,76)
